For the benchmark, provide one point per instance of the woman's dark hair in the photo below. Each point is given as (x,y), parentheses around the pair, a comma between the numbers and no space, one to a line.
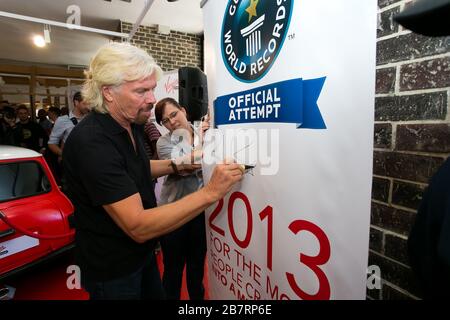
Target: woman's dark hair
(161,106)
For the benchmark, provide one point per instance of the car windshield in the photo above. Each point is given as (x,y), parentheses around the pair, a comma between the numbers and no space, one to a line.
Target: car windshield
(22,179)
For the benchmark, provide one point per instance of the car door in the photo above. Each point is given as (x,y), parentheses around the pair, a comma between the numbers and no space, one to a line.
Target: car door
(26,201)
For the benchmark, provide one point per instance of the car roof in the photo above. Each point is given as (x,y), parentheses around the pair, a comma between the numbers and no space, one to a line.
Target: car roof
(10,152)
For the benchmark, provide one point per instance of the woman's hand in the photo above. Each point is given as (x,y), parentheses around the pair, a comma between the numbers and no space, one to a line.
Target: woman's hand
(205,123)
(189,163)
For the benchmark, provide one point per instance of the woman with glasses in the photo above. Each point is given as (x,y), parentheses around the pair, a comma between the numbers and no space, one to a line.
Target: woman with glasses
(186,245)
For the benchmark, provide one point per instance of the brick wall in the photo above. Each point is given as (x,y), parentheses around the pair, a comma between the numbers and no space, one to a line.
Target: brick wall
(412,139)
(171,51)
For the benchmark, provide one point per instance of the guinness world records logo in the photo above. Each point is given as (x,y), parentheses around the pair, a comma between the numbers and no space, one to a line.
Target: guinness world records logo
(253,33)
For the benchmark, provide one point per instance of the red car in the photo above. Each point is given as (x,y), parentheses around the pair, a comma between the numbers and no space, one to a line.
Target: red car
(34,213)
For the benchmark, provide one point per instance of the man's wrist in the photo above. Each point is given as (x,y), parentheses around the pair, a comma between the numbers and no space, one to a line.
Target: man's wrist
(208,195)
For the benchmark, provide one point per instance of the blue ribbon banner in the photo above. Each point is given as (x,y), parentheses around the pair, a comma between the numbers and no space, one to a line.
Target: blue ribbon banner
(291,101)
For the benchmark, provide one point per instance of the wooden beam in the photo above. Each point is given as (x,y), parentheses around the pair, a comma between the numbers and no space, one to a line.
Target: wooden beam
(27,93)
(53,72)
(48,95)
(41,71)
(16,80)
(42,81)
(57,82)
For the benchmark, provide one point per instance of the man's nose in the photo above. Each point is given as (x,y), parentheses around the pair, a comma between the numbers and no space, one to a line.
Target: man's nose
(150,97)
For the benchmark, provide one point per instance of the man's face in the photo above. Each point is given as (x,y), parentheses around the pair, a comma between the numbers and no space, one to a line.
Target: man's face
(10,119)
(135,99)
(82,106)
(23,115)
(52,116)
(42,114)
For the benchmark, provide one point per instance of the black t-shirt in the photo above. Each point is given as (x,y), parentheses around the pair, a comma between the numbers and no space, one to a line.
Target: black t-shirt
(9,136)
(101,167)
(429,240)
(32,136)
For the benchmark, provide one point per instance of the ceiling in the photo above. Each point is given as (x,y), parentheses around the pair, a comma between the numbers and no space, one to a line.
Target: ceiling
(75,47)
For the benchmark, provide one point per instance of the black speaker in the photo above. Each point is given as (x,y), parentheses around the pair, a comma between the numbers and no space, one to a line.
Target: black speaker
(193,92)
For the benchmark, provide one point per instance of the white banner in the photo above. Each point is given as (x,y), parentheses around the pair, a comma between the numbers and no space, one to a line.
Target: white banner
(292,84)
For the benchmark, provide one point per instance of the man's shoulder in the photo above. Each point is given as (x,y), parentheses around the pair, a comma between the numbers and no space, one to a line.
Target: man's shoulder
(88,129)
(90,133)
(62,120)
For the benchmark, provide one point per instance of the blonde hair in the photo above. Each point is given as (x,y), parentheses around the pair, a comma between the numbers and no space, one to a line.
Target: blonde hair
(112,65)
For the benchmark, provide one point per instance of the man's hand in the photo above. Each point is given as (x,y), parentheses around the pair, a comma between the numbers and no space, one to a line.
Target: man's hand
(224,177)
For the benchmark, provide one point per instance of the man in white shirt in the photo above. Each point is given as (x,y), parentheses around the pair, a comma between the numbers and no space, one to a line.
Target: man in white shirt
(64,124)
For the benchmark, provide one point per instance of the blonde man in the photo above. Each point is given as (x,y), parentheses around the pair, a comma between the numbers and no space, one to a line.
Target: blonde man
(109,179)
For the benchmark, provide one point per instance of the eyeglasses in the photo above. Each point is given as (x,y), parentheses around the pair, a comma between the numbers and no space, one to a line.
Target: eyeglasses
(170,117)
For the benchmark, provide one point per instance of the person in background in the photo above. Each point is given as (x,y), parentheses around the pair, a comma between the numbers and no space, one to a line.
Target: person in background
(187,244)
(151,136)
(9,133)
(3,104)
(109,179)
(44,122)
(65,111)
(429,239)
(52,158)
(53,114)
(32,136)
(64,125)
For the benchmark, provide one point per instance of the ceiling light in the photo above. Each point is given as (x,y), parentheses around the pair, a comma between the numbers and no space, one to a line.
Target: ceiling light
(39,41)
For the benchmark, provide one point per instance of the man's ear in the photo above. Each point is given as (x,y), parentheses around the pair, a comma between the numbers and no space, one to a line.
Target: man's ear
(107,93)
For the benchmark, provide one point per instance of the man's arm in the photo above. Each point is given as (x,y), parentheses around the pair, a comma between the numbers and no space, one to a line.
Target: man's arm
(142,225)
(56,137)
(161,168)
(55,149)
(183,165)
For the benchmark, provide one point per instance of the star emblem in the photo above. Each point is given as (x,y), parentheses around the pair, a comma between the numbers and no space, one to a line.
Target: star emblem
(252,9)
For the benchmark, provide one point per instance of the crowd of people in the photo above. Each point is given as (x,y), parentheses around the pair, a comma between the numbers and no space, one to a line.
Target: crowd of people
(47,133)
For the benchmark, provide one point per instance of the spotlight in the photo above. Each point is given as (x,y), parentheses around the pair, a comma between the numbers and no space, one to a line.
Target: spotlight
(39,41)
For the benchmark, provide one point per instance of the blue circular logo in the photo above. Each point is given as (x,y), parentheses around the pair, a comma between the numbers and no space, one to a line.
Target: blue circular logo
(252,36)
